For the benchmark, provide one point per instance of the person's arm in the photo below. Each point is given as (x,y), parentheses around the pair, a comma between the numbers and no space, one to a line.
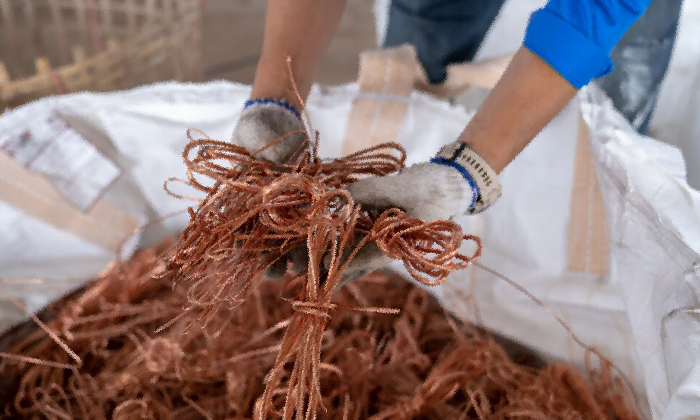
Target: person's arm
(567,44)
(524,101)
(302,30)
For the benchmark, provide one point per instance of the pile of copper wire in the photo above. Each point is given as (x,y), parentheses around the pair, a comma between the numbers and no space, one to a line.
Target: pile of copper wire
(100,357)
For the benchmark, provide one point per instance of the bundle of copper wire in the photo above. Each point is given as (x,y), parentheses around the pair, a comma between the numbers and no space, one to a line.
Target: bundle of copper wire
(100,357)
(255,213)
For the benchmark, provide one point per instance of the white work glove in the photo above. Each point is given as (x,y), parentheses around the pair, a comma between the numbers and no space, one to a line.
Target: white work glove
(426,191)
(454,183)
(265,120)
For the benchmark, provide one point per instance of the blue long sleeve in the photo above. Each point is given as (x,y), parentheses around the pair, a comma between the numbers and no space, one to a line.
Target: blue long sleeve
(575,37)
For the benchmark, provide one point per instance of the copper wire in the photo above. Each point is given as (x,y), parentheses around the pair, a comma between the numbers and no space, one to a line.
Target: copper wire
(420,363)
(304,356)
(255,212)
(331,361)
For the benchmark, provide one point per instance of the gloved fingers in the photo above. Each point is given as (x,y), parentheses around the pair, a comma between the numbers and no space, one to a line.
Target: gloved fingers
(376,194)
(278,264)
(295,260)
(275,270)
(264,125)
(298,259)
(426,191)
(368,258)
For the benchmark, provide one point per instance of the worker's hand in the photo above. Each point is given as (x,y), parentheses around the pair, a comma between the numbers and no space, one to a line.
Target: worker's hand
(427,191)
(455,183)
(266,121)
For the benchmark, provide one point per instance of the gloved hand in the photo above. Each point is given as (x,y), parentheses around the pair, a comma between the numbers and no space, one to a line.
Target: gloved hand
(454,183)
(265,120)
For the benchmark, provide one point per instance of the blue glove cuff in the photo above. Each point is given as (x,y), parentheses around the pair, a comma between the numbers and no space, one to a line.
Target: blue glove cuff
(465,173)
(277,102)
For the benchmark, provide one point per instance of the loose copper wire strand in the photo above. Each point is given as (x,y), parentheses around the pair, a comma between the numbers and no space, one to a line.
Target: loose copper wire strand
(46,329)
(607,362)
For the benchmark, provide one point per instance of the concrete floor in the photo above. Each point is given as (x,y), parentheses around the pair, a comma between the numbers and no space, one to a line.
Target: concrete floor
(233,32)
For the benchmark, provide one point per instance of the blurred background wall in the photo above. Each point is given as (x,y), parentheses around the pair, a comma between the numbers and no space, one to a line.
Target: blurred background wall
(239,23)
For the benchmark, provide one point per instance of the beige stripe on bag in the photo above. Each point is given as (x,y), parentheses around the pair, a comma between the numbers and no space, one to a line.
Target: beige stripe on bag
(386,80)
(588,242)
(105,226)
(385,84)
(460,77)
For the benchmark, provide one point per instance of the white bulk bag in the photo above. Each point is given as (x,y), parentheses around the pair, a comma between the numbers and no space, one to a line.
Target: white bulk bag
(66,209)
(641,310)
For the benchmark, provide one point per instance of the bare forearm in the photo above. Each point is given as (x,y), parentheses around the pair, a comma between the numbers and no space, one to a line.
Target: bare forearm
(524,101)
(302,30)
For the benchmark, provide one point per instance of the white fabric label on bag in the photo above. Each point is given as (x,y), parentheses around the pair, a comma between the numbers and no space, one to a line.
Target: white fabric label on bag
(52,148)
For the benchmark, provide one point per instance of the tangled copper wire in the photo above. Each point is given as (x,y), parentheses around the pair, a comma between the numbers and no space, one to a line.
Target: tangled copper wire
(418,364)
(255,212)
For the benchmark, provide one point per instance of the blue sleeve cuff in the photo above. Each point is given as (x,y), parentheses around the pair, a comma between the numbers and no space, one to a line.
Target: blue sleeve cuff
(567,50)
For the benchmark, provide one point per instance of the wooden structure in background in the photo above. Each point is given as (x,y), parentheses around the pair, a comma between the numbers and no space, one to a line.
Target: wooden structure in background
(50,47)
